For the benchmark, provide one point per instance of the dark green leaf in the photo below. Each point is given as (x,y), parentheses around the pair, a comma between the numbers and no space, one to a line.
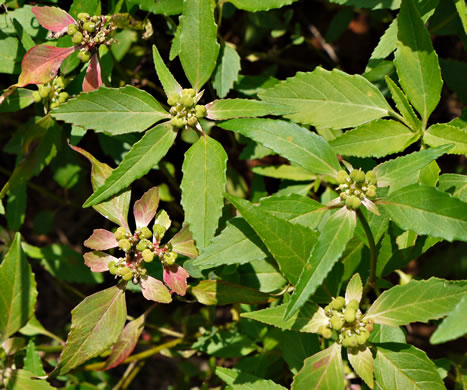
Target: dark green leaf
(226,72)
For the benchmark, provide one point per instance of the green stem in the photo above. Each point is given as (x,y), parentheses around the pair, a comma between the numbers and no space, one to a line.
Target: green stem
(373,253)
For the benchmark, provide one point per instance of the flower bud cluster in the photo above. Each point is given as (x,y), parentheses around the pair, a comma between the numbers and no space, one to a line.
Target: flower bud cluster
(346,319)
(184,110)
(357,186)
(52,92)
(89,32)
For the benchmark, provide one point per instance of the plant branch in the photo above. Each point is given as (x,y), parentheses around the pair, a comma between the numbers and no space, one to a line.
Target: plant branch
(373,254)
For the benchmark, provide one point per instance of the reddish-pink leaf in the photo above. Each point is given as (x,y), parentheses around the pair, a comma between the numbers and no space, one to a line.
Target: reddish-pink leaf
(40,64)
(98,261)
(154,290)
(183,243)
(101,240)
(53,18)
(126,343)
(175,277)
(93,79)
(145,208)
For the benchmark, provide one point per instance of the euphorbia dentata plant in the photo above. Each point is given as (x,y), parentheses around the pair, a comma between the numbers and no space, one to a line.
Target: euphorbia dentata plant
(362,185)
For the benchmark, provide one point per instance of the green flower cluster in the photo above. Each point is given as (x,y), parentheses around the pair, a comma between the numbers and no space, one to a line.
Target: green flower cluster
(184,110)
(51,93)
(89,32)
(348,321)
(356,186)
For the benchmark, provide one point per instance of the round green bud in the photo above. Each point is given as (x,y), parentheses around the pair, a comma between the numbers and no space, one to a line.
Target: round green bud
(342,177)
(111,263)
(363,337)
(192,121)
(125,270)
(95,18)
(325,332)
(124,244)
(200,111)
(44,91)
(120,233)
(72,28)
(338,303)
(371,191)
(370,177)
(349,314)
(59,82)
(173,99)
(54,105)
(89,27)
(148,255)
(145,232)
(37,96)
(189,92)
(77,38)
(84,56)
(159,231)
(113,270)
(352,341)
(63,97)
(337,322)
(353,202)
(353,304)
(170,257)
(345,342)
(187,101)
(127,276)
(83,16)
(143,244)
(176,122)
(357,176)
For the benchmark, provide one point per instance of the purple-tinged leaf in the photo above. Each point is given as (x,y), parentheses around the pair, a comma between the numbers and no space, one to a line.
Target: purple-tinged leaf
(93,79)
(41,63)
(53,18)
(183,243)
(101,240)
(98,261)
(126,343)
(116,209)
(175,277)
(145,208)
(154,290)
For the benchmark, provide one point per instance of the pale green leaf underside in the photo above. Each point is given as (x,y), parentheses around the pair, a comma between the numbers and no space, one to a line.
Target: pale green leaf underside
(454,326)
(260,5)
(441,134)
(329,99)
(113,110)
(242,108)
(416,301)
(363,364)
(239,380)
(226,72)
(374,139)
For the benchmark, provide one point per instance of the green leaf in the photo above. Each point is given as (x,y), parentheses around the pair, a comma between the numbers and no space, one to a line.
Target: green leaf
(363,364)
(416,301)
(198,41)
(290,244)
(416,61)
(425,210)
(112,110)
(296,347)
(386,334)
(442,133)
(335,234)
(454,184)
(10,48)
(25,380)
(166,78)
(293,142)
(322,371)
(260,5)
(354,289)
(144,155)
(203,183)
(375,139)
(329,99)
(288,172)
(402,366)
(17,289)
(391,172)
(403,105)
(242,108)
(164,7)
(227,70)
(239,380)
(453,326)
(462,11)
(18,100)
(32,360)
(96,324)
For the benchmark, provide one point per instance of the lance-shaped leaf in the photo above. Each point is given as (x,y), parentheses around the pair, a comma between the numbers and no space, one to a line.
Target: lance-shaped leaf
(243,380)
(454,184)
(126,343)
(416,61)
(324,370)
(113,110)
(354,289)
(198,41)
(363,364)
(375,139)
(335,234)
(93,78)
(26,380)
(166,78)
(145,208)
(242,108)
(204,178)
(98,261)
(53,18)
(293,142)
(290,244)
(260,5)
(154,290)
(402,366)
(21,98)
(426,210)
(226,72)
(284,171)
(41,63)
(416,301)
(329,99)
(175,277)
(96,324)
(143,156)
(115,209)
(101,240)
(453,326)
(183,243)
(17,289)
(442,133)
(32,360)
(403,105)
